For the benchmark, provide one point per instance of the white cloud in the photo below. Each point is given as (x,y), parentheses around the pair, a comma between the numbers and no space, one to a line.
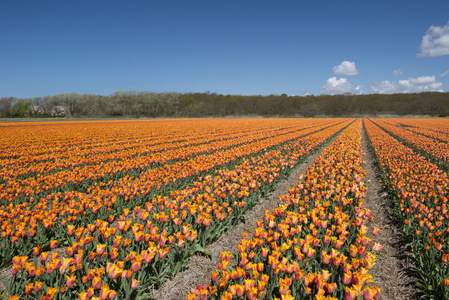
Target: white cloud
(345,68)
(358,89)
(444,73)
(411,85)
(383,87)
(435,42)
(340,86)
(398,72)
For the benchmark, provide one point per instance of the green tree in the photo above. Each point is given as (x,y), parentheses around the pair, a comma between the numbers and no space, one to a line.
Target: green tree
(20,109)
(5,106)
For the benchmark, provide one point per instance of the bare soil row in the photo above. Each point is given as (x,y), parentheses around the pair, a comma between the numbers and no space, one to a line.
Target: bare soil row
(393,268)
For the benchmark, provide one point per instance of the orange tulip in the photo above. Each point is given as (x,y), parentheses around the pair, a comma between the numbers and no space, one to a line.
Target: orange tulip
(371,292)
(112,294)
(83,296)
(240,290)
(96,282)
(70,230)
(15,269)
(90,292)
(104,292)
(100,248)
(43,257)
(135,283)
(50,267)
(127,274)
(38,286)
(163,252)
(29,288)
(36,250)
(377,247)
(51,292)
(70,281)
(53,244)
(66,262)
(350,293)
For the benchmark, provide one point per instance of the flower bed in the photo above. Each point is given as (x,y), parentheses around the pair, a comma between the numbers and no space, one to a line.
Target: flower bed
(419,190)
(314,245)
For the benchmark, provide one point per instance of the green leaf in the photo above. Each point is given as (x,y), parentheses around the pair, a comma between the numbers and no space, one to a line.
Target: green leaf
(144,297)
(6,283)
(202,250)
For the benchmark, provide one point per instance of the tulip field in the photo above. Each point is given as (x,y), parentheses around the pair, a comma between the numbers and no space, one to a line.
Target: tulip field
(113,209)
(420,191)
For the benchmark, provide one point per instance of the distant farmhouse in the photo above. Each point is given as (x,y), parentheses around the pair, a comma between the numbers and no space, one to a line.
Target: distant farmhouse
(59,111)
(37,110)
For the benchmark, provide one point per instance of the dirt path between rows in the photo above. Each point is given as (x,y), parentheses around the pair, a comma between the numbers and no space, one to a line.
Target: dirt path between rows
(198,271)
(393,265)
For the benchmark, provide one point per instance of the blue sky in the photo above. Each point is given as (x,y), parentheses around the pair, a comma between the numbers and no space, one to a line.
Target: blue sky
(227,47)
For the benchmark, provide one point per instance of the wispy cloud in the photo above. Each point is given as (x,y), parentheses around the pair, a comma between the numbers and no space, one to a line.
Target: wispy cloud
(345,68)
(435,42)
(410,85)
(304,92)
(444,73)
(398,72)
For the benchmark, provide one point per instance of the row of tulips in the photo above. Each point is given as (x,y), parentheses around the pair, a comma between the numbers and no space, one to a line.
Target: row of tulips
(437,128)
(433,149)
(56,142)
(34,140)
(122,256)
(419,190)
(74,155)
(14,193)
(113,164)
(80,154)
(314,245)
(434,124)
(26,225)
(37,139)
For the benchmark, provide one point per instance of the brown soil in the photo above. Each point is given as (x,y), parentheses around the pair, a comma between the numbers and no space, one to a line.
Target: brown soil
(198,271)
(393,265)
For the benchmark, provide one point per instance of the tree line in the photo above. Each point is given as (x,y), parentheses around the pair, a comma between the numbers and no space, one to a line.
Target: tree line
(144,104)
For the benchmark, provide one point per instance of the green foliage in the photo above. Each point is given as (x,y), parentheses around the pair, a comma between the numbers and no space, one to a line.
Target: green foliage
(5,106)
(20,109)
(144,104)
